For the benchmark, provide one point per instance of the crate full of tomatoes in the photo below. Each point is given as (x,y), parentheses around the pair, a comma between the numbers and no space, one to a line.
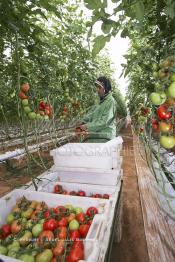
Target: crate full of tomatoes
(42,227)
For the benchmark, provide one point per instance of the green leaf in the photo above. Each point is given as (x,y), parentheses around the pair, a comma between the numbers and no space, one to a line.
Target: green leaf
(91,4)
(107,26)
(99,43)
(170,10)
(124,33)
(139,9)
(105,3)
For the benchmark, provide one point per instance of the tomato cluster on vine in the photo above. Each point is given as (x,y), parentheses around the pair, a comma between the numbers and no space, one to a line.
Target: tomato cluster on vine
(163,103)
(43,111)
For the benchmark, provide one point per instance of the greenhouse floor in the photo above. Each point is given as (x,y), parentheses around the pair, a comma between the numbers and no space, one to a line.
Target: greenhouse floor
(132,247)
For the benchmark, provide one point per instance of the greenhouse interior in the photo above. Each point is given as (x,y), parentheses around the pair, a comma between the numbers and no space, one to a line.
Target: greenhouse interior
(87,131)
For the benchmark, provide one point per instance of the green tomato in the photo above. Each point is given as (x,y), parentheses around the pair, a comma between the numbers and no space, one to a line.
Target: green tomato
(27,109)
(73,224)
(45,256)
(70,207)
(3,250)
(78,210)
(15,245)
(27,214)
(41,221)
(37,229)
(25,239)
(13,253)
(157,98)
(46,117)
(167,142)
(27,258)
(154,66)
(32,115)
(38,116)
(172,77)
(10,218)
(155,74)
(25,102)
(171,90)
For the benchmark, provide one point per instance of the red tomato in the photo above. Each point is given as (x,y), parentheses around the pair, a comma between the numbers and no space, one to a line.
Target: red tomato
(42,105)
(60,210)
(92,211)
(58,189)
(45,238)
(74,234)
(79,244)
(62,222)
(59,248)
(22,95)
(163,113)
(89,222)
(165,127)
(15,227)
(65,109)
(47,112)
(106,196)
(47,213)
(70,217)
(6,230)
(81,193)
(81,217)
(155,124)
(154,121)
(50,224)
(75,255)
(83,229)
(25,87)
(141,129)
(97,196)
(61,232)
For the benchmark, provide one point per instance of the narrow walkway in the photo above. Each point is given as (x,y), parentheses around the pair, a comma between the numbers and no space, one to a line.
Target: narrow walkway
(132,247)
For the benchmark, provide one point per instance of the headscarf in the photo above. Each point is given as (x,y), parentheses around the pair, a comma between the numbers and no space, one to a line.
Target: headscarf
(105,83)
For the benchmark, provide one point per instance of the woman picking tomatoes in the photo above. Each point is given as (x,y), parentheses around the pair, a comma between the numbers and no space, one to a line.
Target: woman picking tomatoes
(100,122)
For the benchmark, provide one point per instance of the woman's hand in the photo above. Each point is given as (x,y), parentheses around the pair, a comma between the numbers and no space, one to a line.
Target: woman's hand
(81,131)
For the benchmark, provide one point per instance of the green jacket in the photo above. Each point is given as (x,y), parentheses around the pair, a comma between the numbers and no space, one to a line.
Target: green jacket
(101,121)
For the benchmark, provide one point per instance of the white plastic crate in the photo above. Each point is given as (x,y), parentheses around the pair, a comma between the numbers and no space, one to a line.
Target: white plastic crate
(89,189)
(89,155)
(95,234)
(84,176)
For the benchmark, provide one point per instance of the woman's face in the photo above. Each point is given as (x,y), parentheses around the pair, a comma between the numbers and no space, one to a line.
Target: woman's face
(100,90)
